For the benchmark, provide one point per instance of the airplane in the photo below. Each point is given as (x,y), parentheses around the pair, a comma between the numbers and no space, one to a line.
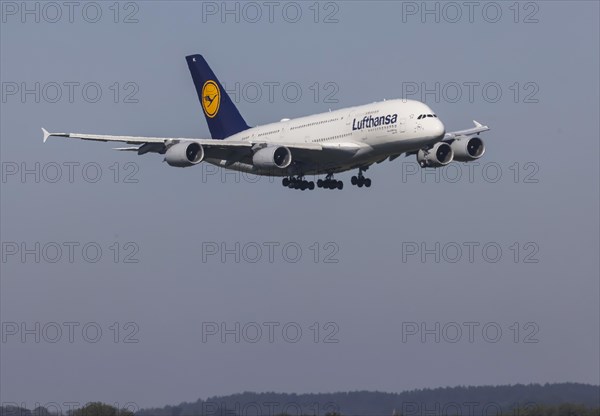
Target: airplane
(321,144)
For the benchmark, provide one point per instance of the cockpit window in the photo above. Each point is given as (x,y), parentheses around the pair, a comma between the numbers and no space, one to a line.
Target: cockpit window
(429,115)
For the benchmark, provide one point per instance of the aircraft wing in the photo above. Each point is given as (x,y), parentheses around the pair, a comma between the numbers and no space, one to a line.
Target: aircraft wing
(228,150)
(207,143)
(468,132)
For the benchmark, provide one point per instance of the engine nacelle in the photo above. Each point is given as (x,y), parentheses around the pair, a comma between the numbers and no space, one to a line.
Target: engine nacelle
(467,149)
(272,157)
(439,155)
(184,154)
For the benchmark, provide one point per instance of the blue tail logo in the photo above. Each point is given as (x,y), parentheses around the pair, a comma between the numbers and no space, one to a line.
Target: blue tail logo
(211,98)
(222,116)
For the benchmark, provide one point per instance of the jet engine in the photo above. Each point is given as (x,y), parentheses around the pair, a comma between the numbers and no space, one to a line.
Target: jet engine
(466,149)
(272,157)
(439,155)
(184,154)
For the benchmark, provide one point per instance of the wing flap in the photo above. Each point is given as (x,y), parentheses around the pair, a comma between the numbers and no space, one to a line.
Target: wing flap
(127,149)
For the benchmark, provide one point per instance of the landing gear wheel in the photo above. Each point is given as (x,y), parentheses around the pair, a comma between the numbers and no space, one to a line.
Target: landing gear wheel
(360,180)
(285,182)
(328,183)
(311,185)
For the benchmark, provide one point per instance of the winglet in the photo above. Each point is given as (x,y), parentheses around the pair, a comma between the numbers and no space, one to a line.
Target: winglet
(477,124)
(46,134)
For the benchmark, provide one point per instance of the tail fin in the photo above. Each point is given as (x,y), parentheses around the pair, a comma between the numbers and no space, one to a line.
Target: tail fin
(222,116)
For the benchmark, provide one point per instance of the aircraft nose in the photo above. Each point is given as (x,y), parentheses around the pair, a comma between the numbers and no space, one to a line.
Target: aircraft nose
(439,130)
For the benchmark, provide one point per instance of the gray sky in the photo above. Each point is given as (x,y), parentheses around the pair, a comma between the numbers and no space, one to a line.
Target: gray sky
(541,212)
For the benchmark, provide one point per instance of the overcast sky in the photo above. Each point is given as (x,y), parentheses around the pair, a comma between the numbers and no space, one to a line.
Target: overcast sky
(385,291)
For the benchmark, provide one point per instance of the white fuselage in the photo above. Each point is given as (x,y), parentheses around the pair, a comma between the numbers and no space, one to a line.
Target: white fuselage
(351,137)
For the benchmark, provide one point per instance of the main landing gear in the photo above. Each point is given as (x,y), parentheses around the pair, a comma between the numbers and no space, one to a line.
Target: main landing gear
(360,180)
(298,183)
(330,183)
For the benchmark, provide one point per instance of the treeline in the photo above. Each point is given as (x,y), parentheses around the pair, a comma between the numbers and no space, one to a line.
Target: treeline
(90,409)
(565,409)
(449,401)
(561,399)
